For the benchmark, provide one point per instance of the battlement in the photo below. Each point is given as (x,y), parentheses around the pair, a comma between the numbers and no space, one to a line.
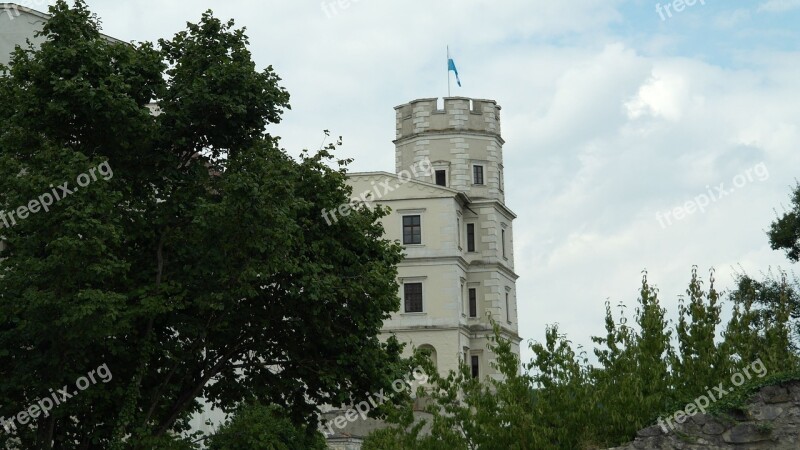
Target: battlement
(458,114)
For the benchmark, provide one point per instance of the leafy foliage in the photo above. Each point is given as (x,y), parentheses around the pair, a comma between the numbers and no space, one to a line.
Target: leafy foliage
(644,371)
(784,233)
(767,296)
(201,269)
(258,427)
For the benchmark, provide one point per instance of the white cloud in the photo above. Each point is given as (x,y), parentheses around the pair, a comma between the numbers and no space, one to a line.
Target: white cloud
(730,19)
(664,96)
(609,117)
(779,5)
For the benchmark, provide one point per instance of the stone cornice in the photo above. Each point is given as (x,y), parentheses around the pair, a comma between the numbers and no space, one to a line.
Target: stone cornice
(461,261)
(471,330)
(488,201)
(444,133)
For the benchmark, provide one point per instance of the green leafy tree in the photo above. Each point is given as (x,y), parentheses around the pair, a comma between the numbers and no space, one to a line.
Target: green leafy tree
(761,326)
(559,384)
(466,413)
(699,360)
(767,294)
(258,427)
(784,233)
(632,383)
(200,267)
(561,402)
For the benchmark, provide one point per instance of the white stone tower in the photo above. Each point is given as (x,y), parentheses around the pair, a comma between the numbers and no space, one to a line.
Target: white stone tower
(456,229)
(464,134)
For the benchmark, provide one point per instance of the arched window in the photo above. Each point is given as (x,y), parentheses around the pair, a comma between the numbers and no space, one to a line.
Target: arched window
(432,352)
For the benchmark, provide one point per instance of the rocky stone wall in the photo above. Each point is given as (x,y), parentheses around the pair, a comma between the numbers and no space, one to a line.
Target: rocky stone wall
(771,420)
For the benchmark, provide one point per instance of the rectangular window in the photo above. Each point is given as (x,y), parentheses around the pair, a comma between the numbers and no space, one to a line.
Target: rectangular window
(503,243)
(508,309)
(412,230)
(413,297)
(473,302)
(475,366)
(461,298)
(441,178)
(458,232)
(470,237)
(477,174)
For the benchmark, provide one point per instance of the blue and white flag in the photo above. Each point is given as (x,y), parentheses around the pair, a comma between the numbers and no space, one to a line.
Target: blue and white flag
(451,66)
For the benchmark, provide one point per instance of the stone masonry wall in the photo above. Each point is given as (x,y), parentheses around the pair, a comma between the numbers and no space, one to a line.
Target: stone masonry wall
(771,420)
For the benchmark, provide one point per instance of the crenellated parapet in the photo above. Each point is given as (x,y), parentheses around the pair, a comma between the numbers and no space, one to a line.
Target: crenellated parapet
(460,137)
(458,114)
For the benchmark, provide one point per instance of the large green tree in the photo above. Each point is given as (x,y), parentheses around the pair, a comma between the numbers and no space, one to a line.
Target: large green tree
(784,233)
(197,266)
(768,291)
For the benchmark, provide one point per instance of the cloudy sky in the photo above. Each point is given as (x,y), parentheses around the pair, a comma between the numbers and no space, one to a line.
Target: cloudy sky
(613,113)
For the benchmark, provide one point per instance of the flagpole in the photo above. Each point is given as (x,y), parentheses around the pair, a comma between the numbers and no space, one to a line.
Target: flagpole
(448,70)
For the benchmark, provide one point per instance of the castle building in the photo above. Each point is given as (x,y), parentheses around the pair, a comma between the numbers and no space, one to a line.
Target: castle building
(447,200)
(448,210)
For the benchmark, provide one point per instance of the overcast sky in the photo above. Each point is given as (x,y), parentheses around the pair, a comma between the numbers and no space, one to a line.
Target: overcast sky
(612,113)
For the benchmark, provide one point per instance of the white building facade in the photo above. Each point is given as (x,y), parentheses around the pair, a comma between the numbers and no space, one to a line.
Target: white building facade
(455,227)
(452,220)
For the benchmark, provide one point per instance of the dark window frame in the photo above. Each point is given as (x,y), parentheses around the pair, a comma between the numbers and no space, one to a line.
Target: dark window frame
(412,298)
(471,237)
(477,174)
(473,302)
(475,364)
(443,174)
(412,230)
